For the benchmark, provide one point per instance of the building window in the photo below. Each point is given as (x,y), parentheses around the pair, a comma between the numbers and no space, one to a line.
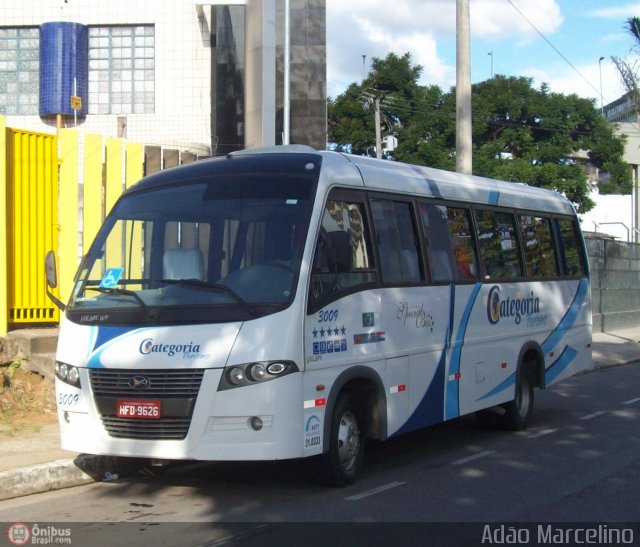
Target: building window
(122,70)
(19,70)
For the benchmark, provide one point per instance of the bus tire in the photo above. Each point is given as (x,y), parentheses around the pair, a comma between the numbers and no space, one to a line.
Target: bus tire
(518,412)
(342,462)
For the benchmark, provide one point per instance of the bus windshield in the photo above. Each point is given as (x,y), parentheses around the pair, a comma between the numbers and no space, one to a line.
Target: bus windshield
(221,247)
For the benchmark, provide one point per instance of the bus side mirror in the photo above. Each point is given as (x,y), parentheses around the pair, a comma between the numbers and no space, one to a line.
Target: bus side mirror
(52,278)
(50,269)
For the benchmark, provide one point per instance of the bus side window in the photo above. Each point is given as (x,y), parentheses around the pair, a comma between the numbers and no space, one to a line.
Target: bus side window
(539,250)
(342,257)
(397,241)
(571,249)
(498,242)
(450,248)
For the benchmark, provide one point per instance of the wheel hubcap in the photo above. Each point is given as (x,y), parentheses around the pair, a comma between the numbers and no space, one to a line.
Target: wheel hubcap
(348,440)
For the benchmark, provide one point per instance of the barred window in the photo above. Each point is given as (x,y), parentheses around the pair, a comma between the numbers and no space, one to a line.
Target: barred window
(19,70)
(122,70)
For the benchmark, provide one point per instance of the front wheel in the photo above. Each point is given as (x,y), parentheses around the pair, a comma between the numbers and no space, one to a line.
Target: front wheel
(342,464)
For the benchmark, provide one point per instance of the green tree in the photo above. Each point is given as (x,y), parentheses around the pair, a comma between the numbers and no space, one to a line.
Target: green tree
(351,114)
(520,133)
(541,138)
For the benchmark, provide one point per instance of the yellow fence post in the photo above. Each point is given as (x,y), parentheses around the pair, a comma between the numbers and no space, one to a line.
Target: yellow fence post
(135,163)
(112,192)
(93,212)
(4,297)
(68,211)
(133,173)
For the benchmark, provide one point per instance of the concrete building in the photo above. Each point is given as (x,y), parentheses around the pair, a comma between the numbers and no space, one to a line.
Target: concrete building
(618,214)
(204,77)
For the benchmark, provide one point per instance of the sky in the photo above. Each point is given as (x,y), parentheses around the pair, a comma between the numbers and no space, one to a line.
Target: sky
(557,42)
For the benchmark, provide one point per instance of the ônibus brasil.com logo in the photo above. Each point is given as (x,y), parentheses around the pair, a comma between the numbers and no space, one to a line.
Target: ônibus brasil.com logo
(20,533)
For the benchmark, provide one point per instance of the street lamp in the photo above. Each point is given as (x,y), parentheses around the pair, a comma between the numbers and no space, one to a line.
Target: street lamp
(601,102)
(490,54)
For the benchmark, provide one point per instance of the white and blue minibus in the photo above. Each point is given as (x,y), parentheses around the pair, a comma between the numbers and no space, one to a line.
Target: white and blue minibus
(285,303)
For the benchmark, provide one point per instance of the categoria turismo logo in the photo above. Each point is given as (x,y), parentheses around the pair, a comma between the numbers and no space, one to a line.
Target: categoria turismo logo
(188,351)
(516,308)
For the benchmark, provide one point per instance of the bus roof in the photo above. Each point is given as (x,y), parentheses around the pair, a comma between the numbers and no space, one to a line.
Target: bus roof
(384,175)
(378,175)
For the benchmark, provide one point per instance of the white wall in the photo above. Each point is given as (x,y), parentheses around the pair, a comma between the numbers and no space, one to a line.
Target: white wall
(182,66)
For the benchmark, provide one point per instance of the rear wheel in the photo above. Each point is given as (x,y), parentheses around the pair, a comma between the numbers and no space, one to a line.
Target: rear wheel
(342,464)
(518,412)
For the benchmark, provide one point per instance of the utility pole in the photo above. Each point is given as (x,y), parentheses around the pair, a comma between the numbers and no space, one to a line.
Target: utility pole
(286,122)
(376,102)
(464,162)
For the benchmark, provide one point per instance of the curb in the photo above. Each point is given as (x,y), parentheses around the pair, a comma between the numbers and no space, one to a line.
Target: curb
(58,474)
(41,477)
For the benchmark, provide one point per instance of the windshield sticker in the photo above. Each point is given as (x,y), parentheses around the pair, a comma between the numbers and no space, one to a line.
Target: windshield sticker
(111,278)
(335,339)
(368,319)
(312,433)
(368,337)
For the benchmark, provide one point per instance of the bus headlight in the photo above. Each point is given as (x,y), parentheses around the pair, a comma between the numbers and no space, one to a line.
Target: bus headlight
(254,373)
(236,376)
(68,374)
(257,372)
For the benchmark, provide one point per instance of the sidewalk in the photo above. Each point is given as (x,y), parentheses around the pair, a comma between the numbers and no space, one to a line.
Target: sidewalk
(35,463)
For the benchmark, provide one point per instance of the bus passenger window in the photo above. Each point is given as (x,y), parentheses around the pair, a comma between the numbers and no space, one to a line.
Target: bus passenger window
(571,248)
(450,248)
(498,242)
(396,241)
(539,250)
(342,257)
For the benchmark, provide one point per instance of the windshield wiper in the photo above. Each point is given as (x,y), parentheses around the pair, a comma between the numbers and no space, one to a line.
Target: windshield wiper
(126,292)
(213,286)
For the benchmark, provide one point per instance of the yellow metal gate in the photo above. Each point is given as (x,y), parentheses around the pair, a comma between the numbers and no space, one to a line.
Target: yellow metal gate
(32,223)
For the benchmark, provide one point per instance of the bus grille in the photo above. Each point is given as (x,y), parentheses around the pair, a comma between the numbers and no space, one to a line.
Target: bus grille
(162,383)
(164,429)
(176,389)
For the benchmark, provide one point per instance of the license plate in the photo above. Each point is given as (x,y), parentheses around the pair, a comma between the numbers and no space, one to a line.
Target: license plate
(144,409)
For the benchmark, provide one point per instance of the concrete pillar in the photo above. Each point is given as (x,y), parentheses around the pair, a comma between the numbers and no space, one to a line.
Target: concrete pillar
(464,161)
(260,84)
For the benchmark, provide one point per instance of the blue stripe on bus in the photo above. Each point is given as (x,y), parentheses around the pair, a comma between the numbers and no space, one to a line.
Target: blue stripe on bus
(568,353)
(560,364)
(505,384)
(104,339)
(453,386)
(432,184)
(106,334)
(430,410)
(569,318)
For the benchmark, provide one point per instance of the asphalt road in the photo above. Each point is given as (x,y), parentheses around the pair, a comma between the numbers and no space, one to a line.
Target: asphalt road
(578,462)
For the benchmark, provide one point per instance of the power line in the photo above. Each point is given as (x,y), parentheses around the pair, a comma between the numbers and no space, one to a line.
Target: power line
(553,47)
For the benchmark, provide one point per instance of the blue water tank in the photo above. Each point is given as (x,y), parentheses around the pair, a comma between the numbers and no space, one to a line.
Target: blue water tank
(64,57)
